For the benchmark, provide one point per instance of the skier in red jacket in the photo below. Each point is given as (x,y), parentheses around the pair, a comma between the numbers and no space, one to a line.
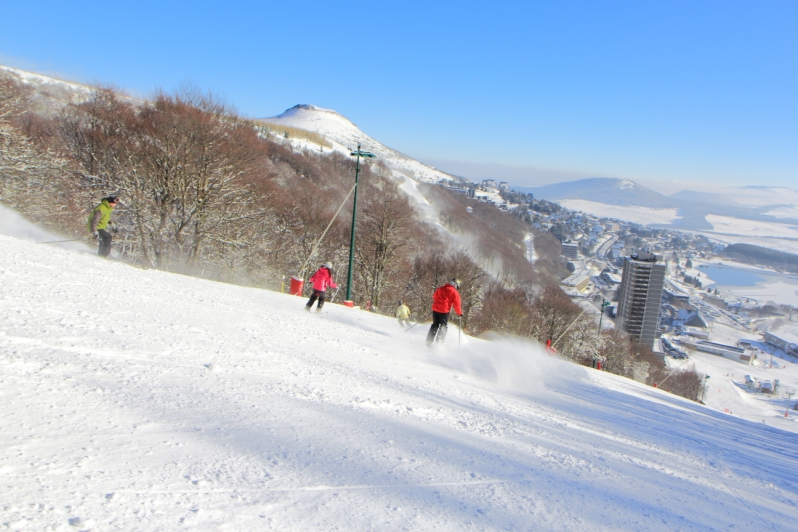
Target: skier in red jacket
(321,280)
(443,300)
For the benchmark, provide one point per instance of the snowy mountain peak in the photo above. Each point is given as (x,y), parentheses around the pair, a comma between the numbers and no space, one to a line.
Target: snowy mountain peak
(304,111)
(306,107)
(326,122)
(345,136)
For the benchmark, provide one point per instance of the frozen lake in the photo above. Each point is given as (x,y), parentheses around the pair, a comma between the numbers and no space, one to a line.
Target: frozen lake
(725,276)
(760,285)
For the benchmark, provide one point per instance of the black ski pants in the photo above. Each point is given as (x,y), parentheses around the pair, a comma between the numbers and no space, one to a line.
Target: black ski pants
(105,242)
(316,294)
(440,324)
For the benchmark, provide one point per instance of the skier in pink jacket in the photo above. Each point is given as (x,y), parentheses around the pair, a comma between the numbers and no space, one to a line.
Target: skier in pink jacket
(321,280)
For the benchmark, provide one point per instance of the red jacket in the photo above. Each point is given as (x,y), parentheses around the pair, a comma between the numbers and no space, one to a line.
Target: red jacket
(322,279)
(443,299)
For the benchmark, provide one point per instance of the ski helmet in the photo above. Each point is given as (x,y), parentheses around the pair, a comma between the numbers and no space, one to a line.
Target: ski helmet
(456,283)
(328,265)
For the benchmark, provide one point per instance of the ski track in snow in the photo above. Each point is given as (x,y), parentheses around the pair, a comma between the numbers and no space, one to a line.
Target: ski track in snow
(142,400)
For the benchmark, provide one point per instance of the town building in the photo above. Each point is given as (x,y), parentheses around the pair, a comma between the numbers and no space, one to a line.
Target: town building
(689,317)
(640,295)
(570,250)
(785,341)
(731,352)
(579,281)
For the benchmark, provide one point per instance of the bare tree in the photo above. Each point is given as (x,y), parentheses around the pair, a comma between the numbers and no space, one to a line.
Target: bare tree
(383,234)
(552,314)
(32,178)
(181,163)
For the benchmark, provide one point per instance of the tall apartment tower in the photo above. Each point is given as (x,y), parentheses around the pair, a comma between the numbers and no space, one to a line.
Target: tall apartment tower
(639,296)
(570,250)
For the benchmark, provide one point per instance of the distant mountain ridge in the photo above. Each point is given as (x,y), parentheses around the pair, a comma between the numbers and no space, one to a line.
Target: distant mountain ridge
(607,190)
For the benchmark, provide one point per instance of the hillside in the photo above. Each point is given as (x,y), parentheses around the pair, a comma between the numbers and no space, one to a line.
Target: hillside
(139,399)
(287,184)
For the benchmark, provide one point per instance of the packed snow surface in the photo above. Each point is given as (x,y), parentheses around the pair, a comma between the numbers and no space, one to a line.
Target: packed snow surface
(143,400)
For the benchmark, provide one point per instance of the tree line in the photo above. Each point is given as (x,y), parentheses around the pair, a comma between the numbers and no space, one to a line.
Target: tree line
(751,254)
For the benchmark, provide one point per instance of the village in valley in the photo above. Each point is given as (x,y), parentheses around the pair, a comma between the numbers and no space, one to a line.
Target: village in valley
(736,323)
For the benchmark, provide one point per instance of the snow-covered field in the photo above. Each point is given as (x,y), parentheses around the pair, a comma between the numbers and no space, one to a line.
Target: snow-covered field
(737,226)
(726,386)
(784,212)
(639,215)
(142,400)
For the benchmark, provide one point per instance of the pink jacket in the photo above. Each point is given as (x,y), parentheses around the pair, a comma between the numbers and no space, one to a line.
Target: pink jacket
(322,279)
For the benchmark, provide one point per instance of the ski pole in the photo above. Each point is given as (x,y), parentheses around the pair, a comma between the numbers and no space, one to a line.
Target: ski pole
(459,328)
(59,241)
(416,323)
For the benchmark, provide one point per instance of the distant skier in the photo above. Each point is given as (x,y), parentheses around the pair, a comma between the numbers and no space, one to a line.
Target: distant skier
(443,300)
(321,280)
(403,314)
(99,219)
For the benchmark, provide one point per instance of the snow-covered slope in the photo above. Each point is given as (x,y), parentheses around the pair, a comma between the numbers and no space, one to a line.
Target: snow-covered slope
(345,136)
(48,94)
(142,400)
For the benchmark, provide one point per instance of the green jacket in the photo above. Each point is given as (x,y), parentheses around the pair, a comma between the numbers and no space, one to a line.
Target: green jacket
(100,216)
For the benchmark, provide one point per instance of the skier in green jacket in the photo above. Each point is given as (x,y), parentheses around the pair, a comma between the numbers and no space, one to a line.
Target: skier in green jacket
(99,219)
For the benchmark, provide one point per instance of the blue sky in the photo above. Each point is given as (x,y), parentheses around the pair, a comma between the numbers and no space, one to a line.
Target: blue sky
(686,91)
